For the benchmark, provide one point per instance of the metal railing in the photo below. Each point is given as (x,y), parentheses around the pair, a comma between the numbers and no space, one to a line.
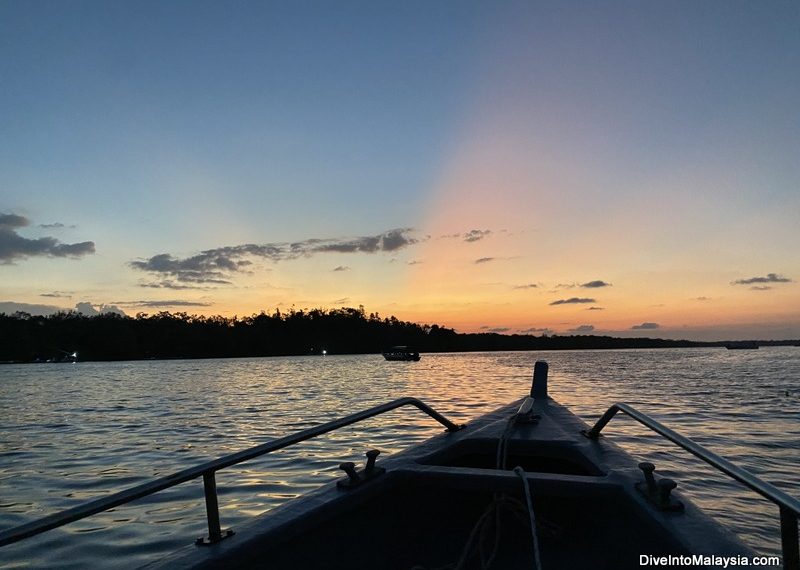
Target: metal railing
(789,506)
(207,471)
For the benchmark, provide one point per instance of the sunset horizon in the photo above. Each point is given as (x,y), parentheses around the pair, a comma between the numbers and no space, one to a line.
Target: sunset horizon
(626,172)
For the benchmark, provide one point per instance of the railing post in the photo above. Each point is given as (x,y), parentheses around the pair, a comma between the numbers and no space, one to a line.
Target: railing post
(594,433)
(789,540)
(212,511)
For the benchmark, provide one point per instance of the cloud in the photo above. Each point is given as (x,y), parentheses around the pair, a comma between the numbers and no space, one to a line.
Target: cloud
(217,266)
(476,235)
(57,295)
(13,221)
(342,301)
(770,278)
(595,309)
(572,300)
(528,286)
(582,329)
(484,259)
(14,246)
(760,288)
(645,326)
(88,309)
(172,285)
(469,237)
(166,303)
(10,307)
(341,268)
(414,262)
(595,284)
(566,286)
(497,330)
(535,330)
(702,299)
(52,226)
(85,308)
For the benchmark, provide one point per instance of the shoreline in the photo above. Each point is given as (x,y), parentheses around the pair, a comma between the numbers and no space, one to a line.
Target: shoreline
(653,345)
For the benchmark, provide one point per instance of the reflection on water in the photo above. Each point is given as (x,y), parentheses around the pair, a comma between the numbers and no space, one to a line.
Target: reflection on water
(69,433)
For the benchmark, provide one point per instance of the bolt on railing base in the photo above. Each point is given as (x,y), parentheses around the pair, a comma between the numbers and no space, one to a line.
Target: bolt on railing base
(208,540)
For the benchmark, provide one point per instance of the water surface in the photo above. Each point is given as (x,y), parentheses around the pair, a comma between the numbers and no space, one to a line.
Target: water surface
(70,433)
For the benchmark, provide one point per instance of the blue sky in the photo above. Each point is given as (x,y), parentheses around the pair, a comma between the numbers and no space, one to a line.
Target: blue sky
(652,146)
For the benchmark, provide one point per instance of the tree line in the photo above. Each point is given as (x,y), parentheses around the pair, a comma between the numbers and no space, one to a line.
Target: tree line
(28,338)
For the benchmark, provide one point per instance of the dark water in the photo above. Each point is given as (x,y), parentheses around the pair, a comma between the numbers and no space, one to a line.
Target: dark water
(70,433)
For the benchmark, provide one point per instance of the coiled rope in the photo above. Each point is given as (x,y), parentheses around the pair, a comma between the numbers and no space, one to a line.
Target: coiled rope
(490,518)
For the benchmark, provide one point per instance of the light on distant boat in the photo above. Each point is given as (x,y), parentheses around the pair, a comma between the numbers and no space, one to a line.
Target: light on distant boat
(324,352)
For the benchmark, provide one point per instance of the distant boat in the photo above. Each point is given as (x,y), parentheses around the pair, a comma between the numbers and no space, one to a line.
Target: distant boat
(401,353)
(742,344)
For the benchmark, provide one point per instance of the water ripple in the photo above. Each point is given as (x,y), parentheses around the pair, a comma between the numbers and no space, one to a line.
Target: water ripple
(96,428)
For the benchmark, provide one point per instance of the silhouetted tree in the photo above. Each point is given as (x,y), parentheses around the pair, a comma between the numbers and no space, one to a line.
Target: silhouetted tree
(27,338)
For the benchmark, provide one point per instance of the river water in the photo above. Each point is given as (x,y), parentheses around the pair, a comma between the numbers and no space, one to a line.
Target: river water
(73,432)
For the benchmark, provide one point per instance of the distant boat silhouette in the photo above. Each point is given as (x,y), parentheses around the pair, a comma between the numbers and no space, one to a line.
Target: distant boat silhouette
(401,353)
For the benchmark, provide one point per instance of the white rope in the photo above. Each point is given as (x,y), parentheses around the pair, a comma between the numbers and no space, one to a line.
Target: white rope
(502,444)
(529,500)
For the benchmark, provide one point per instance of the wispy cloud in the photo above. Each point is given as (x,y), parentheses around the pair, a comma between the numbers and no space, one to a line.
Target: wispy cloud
(595,309)
(498,330)
(760,288)
(702,299)
(595,284)
(476,235)
(770,278)
(342,301)
(470,236)
(341,268)
(582,329)
(14,246)
(645,326)
(58,294)
(481,260)
(167,284)
(526,286)
(57,226)
(574,300)
(218,266)
(414,262)
(535,330)
(165,303)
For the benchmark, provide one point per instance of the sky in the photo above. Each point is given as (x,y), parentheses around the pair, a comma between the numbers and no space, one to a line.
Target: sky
(622,168)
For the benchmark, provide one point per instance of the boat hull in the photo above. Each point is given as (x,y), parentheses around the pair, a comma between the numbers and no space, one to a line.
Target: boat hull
(421,512)
(402,357)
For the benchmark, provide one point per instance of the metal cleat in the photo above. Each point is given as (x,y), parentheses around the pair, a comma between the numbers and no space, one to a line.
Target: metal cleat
(658,491)
(356,478)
